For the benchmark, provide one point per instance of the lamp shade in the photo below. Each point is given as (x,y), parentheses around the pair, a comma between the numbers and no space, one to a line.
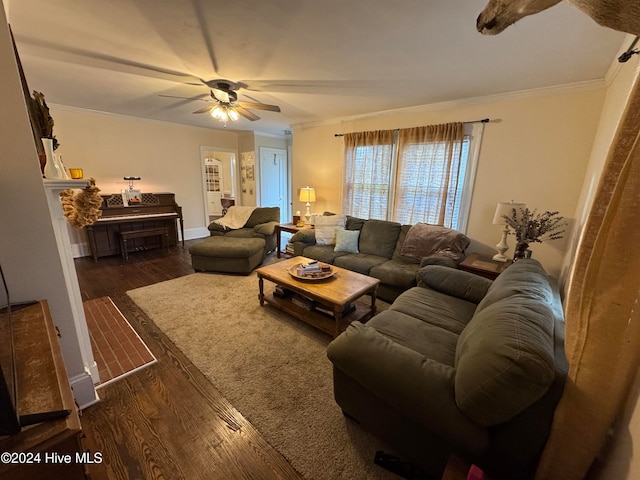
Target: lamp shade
(307,194)
(505,208)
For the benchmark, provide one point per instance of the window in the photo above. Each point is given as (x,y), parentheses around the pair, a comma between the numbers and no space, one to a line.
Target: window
(423,174)
(368,174)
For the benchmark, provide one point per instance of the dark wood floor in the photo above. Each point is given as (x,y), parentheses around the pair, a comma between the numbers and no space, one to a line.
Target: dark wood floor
(166,421)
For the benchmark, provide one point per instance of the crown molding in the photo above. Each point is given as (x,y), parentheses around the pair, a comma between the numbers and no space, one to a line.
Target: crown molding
(151,120)
(500,97)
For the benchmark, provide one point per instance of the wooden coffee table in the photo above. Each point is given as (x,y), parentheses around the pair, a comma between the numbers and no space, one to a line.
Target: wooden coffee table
(328,300)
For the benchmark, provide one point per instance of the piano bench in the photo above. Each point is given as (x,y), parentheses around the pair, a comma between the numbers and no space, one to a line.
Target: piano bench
(126,235)
(227,254)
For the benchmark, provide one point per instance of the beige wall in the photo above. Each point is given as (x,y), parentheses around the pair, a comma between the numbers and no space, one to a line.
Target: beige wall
(166,156)
(614,104)
(536,151)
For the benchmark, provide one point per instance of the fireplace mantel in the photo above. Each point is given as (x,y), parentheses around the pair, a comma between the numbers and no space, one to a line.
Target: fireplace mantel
(83,384)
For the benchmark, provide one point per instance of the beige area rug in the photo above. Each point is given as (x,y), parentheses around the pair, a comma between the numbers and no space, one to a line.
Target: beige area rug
(271,367)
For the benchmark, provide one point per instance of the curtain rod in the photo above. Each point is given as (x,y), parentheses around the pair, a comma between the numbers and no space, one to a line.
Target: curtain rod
(484,120)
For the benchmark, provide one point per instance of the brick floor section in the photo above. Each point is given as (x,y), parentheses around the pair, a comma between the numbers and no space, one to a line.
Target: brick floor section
(117,348)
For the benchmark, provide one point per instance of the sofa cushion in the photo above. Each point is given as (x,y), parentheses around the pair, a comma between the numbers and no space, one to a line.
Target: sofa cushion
(451,281)
(358,262)
(322,253)
(325,228)
(354,223)
(397,253)
(263,215)
(423,240)
(429,340)
(222,247)
(347,241)
(435,308)
(379,237)
(397,273)
(504,359)
(241,233)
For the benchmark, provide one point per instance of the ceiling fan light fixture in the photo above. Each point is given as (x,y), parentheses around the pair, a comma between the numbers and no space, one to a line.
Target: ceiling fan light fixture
(219,112)
(233,115)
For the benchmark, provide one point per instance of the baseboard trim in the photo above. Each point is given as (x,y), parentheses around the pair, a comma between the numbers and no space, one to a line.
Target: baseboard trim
(193,233)
(80,250)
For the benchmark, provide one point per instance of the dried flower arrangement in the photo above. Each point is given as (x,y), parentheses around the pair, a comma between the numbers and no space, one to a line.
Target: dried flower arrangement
(84,208)
(44,118)
(530,227)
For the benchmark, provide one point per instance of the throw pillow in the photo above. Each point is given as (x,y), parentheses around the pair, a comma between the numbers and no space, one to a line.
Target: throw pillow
(325,228)
(347,241)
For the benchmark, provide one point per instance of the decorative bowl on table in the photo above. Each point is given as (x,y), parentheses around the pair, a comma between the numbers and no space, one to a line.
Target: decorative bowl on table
(300,272)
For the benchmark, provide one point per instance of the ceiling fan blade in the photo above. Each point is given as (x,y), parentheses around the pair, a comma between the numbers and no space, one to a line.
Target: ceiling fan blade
(260,106)
(204,109)
(79,56)
(188,98)
(246,113)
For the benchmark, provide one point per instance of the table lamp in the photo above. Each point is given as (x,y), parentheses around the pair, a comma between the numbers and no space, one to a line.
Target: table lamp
(308,195)
(504,208)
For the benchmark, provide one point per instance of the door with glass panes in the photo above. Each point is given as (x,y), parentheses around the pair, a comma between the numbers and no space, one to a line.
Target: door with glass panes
(213,180)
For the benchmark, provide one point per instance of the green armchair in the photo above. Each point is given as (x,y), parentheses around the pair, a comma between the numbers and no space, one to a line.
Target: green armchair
(261,224)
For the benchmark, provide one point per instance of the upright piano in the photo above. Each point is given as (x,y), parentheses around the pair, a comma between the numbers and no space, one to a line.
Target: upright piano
(155,211)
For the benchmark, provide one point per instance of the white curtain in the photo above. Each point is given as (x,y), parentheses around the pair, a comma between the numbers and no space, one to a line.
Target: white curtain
(368,173)
(429,163)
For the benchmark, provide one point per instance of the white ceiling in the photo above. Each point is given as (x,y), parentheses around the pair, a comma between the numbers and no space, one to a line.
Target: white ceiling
(317,60)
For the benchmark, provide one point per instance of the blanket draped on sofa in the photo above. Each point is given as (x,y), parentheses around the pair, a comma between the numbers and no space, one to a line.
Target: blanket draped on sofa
(236,217)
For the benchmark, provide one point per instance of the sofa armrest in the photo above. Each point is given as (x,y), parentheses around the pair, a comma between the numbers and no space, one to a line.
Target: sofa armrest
(307,235)
(439,260)
(421,388)
(216,227)
(451,281)
(267,229)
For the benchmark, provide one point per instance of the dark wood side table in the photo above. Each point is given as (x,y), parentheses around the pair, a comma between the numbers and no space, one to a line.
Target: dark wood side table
(289,228)
(484,266)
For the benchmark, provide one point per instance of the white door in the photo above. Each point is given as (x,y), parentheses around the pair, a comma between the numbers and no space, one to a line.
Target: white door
(273,180)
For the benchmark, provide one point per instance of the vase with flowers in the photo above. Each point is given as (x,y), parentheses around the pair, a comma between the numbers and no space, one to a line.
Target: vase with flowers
(529,226)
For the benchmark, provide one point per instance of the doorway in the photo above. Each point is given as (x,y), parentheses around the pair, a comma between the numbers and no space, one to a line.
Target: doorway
(273,180)
(219,180)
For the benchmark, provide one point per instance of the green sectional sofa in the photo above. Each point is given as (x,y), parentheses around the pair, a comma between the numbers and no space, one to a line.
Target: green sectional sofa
(459,365)
(381,251)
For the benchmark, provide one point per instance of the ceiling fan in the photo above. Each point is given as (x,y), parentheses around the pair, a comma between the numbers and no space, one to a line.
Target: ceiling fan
(225,105)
